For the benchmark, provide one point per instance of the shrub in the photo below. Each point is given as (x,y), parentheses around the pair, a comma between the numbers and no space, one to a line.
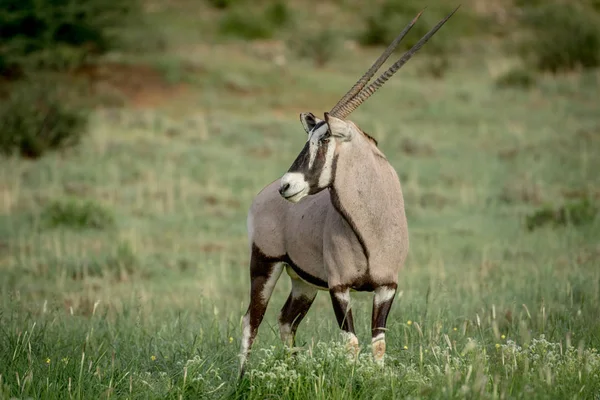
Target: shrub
(246,23)
(319,46)
(34,119)
(594,4)
(220,4)
(76,215)
(59,33)
(238,23)
(574,213)
(564,37)
(384,22)
(516,78)
(278,14)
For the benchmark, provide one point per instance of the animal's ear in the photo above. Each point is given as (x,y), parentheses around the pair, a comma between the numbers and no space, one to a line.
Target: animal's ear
(308,121)
(338,127)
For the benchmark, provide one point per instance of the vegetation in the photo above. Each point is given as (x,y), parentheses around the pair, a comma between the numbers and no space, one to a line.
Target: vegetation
(516,78)
(384,21)
(77,215)
(576,213)
(383,24)
(59,34)
(34,119)
(124,264)
(42,35)
(221,4)
(320,46)
(565,36)
(247,22)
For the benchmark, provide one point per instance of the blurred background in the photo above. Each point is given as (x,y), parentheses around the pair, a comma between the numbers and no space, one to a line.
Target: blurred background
(134,135)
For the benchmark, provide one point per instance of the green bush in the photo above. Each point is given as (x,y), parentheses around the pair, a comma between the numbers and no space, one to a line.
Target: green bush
(220,4)
(320,46)
(385,21)
(76,215)
(34,119)
(247,22)
(595,4)
(565,36)
(278,14)
(516,78)
(574,213)
(240,24)
(59,33)
(383,24)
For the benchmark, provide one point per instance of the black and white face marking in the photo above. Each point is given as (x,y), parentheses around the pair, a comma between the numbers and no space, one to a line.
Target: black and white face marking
(311,172)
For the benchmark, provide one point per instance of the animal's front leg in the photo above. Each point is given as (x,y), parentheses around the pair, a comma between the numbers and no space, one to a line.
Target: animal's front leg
(382,303)
(340,298)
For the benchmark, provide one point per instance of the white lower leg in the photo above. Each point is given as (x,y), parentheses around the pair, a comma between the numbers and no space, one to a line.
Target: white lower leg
(245,340)
(285,331)
(378,345)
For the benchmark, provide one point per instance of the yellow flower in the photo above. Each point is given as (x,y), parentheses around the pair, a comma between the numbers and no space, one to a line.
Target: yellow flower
(409,322)
(454,329)
(47,361)
(497,345)
(153,357)
(405,347)
(230,339)
(503,337)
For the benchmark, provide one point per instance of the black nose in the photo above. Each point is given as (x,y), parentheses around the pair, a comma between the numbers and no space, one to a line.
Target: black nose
(283,188)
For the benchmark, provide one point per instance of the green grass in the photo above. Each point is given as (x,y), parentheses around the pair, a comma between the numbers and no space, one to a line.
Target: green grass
(150,306)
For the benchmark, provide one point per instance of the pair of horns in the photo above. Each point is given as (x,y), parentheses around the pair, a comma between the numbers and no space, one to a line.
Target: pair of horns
(358,93)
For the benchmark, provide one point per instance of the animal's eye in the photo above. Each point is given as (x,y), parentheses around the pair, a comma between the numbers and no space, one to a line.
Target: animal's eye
(325,138)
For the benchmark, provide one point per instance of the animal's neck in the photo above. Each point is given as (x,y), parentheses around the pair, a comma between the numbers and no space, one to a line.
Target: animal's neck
(367,193)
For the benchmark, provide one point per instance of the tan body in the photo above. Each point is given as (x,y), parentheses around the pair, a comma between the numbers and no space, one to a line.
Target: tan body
(351,234)
(335,221)
(323,242)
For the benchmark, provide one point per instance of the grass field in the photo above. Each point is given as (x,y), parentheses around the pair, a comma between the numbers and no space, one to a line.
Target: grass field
(124,262)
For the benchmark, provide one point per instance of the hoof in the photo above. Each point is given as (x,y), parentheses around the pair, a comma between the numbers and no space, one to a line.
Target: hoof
(379,351)
(352,346)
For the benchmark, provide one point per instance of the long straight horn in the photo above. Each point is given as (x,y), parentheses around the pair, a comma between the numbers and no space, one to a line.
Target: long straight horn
(345,109)
(376,65)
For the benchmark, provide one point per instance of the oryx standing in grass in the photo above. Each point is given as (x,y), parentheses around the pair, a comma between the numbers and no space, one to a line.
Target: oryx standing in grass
(352,236)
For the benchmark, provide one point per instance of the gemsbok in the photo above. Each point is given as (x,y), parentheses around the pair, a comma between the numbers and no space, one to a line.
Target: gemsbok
(352,236)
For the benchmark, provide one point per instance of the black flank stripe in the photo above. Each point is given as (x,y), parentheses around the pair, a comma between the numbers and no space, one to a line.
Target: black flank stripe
(313,280)
(262,264)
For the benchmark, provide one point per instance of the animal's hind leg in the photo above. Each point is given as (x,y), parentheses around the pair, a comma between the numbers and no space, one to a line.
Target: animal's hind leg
(264,274)
(382,303)
(340,299)
(294,310)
